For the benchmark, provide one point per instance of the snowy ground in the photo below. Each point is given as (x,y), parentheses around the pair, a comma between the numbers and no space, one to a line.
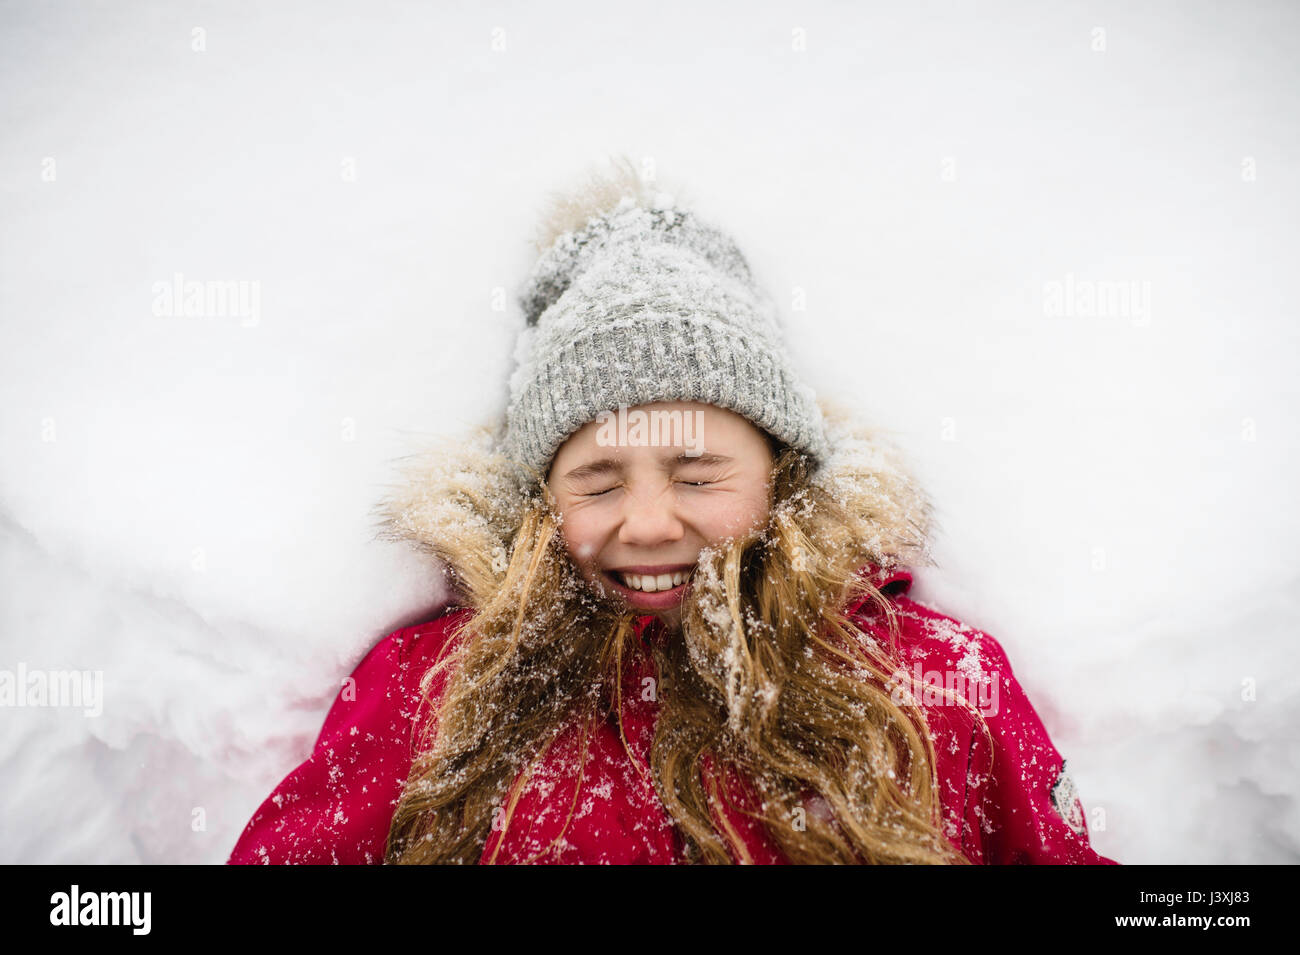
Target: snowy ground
(185,501)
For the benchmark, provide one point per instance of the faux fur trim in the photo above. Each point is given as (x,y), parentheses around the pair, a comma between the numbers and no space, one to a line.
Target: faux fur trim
(460,501)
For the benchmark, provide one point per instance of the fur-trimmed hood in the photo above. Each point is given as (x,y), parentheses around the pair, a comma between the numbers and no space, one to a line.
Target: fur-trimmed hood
(459,500)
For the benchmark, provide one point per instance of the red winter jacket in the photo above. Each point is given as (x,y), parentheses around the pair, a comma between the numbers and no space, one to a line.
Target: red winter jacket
(1012,804)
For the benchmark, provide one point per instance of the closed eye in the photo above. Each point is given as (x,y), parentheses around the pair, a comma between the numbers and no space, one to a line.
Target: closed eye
(615,487)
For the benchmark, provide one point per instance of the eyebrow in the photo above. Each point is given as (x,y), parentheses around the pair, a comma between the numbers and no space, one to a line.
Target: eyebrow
(610,466)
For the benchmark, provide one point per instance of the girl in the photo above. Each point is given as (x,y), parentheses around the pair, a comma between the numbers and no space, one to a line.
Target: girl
(680,629)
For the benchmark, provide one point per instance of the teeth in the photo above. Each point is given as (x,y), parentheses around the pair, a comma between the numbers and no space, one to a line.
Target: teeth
(651,585)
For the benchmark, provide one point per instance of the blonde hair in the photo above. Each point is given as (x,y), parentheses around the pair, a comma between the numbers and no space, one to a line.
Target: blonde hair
(767,675)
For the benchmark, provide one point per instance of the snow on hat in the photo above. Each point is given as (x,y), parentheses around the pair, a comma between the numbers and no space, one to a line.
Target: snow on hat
(646,302)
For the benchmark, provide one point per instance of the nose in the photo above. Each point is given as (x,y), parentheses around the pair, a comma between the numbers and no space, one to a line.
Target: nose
(649,518)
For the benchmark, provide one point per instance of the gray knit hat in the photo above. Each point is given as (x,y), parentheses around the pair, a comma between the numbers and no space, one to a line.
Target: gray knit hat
(648,303)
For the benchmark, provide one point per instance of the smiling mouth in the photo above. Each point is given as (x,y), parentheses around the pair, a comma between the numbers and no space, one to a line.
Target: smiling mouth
(652,583)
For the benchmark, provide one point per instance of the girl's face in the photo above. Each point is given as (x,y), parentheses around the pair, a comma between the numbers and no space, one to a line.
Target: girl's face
(637,507)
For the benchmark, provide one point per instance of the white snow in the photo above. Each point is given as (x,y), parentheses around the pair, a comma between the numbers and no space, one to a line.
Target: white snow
(184,499)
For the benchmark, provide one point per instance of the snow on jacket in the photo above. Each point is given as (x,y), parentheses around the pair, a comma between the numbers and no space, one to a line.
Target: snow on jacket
(1014,803)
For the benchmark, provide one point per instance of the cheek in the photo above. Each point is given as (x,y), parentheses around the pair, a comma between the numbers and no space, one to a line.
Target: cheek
(582,536)
(582,551)
(737,515)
